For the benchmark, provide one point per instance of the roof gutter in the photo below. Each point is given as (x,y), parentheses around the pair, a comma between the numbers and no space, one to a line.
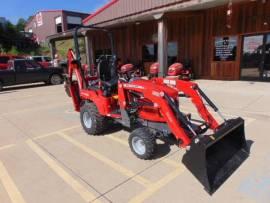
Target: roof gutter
(99,11)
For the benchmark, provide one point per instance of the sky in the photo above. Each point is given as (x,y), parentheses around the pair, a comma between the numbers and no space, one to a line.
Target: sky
(12,10)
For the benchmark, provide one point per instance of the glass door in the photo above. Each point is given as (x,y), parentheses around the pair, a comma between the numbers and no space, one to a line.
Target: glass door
(252,57)
(255,63)
(266,62)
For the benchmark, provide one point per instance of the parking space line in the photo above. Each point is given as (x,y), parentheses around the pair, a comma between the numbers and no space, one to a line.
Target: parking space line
(9,185)
(153,188)
(72,182)
(126,172)
(249,121)
(125,143)
(7,146)
(55,132)
(36,108)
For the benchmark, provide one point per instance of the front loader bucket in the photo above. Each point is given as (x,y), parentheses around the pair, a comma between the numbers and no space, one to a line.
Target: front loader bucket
(214,158)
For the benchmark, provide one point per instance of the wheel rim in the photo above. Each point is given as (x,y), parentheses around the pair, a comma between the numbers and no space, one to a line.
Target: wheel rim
(56,80)
(87,120)
(138,145)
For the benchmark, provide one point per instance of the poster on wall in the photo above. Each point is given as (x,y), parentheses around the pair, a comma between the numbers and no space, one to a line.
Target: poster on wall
(225,48)
(39,19)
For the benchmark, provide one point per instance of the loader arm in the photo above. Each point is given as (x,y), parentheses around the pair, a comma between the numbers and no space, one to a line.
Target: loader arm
(155,93)
(190,90)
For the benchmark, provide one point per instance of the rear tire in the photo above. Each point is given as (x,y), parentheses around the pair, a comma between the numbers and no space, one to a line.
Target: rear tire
(1,86)
(56,79)
(142,143)
(93,123)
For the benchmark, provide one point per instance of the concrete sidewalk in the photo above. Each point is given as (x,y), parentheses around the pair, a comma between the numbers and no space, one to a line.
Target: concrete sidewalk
(46,157)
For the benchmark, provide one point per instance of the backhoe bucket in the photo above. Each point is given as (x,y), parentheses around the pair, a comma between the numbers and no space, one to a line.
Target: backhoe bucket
(214,158)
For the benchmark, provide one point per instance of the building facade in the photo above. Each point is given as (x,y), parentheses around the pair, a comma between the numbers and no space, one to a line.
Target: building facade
(221,39)
(46,23)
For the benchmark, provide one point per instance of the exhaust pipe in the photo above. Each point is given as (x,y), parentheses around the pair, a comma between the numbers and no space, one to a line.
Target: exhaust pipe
(214,158)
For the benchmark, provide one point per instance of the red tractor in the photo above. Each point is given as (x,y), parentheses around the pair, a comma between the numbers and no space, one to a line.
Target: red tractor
(176,70)
(151,110)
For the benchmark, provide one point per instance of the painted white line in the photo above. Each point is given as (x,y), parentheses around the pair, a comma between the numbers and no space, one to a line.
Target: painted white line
(9,185)
(119,168)
(36,108)
(7,146)
(54,165)
(56,132)
(157,186)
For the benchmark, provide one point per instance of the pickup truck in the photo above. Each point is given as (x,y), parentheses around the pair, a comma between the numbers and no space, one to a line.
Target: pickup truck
(22,71)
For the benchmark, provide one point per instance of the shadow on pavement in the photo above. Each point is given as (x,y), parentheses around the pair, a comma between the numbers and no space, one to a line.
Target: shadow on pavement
(10,89)
(162,150)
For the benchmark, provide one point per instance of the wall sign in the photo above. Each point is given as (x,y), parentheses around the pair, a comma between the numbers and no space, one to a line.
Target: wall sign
(39,19)
(225,48)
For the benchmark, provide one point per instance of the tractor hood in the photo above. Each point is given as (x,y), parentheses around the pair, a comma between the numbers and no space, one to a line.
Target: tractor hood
(152,85)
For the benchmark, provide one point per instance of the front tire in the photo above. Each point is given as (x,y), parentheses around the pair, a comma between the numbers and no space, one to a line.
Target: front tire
(142,143)
(56,79)
(93,123)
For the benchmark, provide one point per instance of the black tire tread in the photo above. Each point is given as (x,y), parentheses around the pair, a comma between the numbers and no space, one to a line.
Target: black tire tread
(149,140)
(99,122)
(50,82)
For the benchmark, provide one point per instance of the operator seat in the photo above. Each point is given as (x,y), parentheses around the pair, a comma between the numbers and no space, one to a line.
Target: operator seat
(107,74)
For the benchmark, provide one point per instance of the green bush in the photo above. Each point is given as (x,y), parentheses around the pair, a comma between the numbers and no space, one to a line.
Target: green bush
(14,51)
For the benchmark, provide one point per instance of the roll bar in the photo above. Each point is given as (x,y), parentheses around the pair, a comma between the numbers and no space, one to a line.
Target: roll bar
(76,42)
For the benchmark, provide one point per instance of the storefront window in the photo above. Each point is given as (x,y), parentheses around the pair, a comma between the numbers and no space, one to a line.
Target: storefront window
(172,53)
(150,52)
(225,48)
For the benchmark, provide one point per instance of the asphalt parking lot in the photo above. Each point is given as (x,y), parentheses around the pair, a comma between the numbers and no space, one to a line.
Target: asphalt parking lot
(46,157)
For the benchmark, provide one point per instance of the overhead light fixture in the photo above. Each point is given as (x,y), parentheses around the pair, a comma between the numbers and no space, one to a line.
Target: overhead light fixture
(229,15)
(158,16)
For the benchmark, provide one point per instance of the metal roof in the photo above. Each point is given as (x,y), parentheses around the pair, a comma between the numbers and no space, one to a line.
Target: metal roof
(116,9)
(121,11)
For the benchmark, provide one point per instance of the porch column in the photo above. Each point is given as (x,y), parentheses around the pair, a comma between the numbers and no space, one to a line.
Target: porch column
(53,49)
(89,50)
(162,47)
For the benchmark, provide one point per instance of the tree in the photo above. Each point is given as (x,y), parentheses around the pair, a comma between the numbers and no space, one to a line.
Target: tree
(20,24)
(12,40)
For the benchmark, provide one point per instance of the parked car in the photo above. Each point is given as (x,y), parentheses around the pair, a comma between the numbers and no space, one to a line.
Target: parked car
(46,61)
(5,58)
(22,71)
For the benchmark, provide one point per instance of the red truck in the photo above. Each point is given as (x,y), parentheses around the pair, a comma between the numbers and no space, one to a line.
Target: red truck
(4,58)
(45,61)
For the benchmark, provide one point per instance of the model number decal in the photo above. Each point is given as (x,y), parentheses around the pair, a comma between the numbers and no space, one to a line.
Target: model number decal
(158,94)
(170,82)
(133,86)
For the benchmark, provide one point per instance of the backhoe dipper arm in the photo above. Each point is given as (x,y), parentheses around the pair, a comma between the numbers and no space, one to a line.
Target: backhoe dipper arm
(73,67)
(192,90)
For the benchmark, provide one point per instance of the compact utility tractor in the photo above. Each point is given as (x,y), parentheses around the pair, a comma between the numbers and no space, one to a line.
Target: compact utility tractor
(151,110)
(176,71)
